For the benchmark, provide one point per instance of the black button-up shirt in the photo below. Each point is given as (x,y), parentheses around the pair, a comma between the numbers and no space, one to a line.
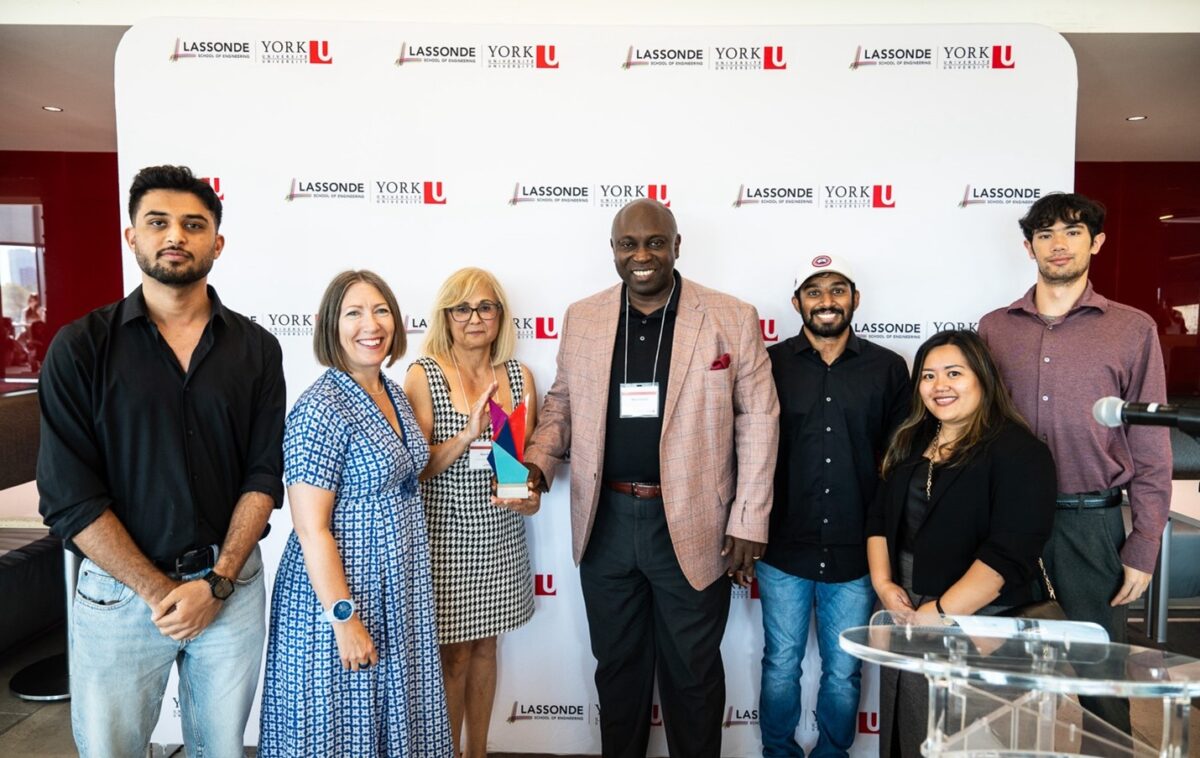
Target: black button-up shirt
(169,453)
(631,444)
(834,425)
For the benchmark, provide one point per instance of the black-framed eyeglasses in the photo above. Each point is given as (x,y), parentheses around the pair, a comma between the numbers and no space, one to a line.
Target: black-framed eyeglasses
(487,311)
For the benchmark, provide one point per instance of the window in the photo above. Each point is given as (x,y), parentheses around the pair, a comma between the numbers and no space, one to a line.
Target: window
(22,295)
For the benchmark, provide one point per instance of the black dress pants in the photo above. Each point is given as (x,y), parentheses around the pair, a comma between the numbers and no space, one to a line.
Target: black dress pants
(644,616)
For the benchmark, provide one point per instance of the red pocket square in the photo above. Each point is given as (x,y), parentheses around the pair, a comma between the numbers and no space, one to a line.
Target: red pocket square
(720,363)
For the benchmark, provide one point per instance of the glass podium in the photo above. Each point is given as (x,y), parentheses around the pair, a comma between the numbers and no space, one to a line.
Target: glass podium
(1004,686)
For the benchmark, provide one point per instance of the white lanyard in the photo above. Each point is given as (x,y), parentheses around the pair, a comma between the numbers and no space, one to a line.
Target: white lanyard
(661,327)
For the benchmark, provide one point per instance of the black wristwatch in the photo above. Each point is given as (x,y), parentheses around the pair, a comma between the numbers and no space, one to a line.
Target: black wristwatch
(221,586)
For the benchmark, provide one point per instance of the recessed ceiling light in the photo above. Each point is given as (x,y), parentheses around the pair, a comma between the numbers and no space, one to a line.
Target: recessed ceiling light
(1136,118)
(52,108)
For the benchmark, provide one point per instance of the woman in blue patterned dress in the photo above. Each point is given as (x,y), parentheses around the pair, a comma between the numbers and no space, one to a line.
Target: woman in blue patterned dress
(352,656)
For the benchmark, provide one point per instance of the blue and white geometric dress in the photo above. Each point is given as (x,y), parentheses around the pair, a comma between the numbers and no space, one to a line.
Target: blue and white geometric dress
(337,439)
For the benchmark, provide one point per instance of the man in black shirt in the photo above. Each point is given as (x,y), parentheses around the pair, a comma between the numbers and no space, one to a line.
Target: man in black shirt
(840,398)
(160,463)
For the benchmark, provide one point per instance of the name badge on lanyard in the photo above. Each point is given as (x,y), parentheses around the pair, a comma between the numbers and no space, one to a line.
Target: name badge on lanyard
(477,455)
(639,400)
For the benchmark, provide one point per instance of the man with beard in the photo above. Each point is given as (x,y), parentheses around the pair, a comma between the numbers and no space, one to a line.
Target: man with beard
(1060,348)
(664,399)
(160,463)
(840,397)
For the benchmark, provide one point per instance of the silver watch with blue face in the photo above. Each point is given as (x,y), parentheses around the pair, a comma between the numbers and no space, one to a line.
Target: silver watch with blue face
(340,612)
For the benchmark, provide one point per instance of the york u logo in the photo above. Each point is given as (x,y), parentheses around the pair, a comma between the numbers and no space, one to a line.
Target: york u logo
(543,584)
(656,715)
(769,331)
(658,192)
(547,56)
(773,58)
(868,722)
(1002,57)
(434,195)
(544,328)
(882,196)
(215,183)
(318,51)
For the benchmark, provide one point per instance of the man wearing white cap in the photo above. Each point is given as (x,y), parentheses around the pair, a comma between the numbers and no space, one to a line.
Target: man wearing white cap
(840,397)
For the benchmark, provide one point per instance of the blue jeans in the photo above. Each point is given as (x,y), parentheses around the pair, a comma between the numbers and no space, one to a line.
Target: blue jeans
(120,662)
(787,603)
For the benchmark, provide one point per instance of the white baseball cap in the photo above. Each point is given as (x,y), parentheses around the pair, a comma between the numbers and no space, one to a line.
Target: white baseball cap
(823,264)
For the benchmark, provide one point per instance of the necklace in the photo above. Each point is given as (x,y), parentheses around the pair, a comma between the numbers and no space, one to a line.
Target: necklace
(462,386)
(382,388)
(937,444)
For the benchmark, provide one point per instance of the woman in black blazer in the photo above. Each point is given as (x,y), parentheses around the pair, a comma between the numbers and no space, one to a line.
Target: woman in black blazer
(965,508)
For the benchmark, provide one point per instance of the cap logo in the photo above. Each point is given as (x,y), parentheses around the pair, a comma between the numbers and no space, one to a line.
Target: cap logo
(821,261)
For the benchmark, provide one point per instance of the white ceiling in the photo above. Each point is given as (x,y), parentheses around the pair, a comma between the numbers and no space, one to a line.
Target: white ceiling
(67,66)
(1155,75)
(1119,75)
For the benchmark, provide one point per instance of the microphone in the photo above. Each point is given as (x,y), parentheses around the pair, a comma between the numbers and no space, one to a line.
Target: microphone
(1113,411)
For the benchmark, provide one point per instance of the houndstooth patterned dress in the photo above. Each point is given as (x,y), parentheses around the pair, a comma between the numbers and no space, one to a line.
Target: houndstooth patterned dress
(481,575)
(337,439)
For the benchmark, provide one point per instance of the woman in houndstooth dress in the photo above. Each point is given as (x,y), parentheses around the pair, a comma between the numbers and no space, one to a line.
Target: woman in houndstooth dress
(482,580)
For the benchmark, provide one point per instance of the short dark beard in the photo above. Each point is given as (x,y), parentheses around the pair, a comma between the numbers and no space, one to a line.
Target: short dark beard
(175,277)
(1058,279)
(833,330)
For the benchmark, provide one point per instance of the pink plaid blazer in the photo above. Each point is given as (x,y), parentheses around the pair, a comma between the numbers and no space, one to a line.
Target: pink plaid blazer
(720,426)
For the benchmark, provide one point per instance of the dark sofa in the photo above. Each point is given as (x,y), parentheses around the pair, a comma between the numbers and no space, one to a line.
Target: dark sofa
(31,564)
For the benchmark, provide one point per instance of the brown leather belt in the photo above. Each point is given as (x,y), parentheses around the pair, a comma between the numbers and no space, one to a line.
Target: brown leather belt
(640,490)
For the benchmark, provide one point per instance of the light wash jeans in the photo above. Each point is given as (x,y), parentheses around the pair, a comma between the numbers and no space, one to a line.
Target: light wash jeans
(787,604)
(120,663)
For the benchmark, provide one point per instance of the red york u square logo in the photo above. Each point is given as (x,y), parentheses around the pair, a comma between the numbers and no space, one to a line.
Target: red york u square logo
(318,51)
(547,56)
(868,722)
(215,183)
(658,192)
(882,196)
(770,333)
(1002,57)
(545,328)
(543,584)
(434,194)
(773,59)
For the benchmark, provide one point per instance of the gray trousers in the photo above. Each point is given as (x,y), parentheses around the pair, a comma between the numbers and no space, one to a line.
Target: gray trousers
(1084,564)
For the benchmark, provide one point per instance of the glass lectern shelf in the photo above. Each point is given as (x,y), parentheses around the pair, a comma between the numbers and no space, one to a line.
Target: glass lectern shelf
(1015,676)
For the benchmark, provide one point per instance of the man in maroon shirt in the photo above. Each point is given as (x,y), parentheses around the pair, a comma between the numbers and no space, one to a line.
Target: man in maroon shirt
(1060,348)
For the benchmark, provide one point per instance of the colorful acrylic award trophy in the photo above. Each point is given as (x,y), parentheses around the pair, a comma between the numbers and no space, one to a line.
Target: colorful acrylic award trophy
(508,452)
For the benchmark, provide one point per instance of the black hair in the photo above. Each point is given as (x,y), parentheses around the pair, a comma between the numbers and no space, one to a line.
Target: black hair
(1068,207)
(176,179)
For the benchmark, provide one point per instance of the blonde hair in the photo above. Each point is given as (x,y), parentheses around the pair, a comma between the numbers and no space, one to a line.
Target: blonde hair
(455,290)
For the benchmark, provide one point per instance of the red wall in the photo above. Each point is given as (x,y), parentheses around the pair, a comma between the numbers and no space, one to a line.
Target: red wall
(1135,261)
(1144,262)
(80,198)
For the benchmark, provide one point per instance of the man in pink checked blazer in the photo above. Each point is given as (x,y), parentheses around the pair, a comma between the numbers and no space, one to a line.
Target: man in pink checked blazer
(665,402)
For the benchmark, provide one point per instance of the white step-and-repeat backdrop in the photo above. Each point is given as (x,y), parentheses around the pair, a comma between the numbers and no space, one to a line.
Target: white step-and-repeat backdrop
(414,150)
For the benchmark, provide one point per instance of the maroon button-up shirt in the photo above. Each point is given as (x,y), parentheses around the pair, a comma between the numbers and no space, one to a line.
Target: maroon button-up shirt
(1056,372)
